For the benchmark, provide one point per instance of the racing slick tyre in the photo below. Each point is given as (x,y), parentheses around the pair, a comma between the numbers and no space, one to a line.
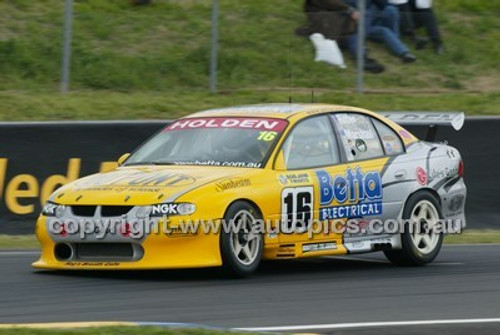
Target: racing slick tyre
(421,244)
(241,247)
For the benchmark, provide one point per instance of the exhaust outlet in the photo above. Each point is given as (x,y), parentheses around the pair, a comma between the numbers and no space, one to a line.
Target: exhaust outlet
(63,251)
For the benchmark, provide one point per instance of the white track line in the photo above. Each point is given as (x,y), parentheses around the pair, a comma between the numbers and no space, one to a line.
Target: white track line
(368,324)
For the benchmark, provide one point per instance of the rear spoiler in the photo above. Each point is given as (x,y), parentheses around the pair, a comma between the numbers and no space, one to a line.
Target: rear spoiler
(432,120)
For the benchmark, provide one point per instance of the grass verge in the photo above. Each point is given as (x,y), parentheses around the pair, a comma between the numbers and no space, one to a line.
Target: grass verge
(16,242)
(472,236)
(106,105)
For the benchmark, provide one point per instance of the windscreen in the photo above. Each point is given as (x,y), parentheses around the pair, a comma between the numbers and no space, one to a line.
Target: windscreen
(234,142)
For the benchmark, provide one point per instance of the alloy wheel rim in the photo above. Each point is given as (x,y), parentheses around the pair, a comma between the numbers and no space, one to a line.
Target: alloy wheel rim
(424,218)
(245,242)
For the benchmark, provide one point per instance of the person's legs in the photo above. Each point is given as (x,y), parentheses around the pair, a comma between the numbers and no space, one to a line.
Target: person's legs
(352,40)
(427,19)
(384,27)
(391,19)
(387,17)
(391,40)
(352,44)
(371,65)
(407,26)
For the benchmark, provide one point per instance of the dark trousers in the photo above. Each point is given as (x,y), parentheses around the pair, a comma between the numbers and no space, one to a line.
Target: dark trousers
(413,18)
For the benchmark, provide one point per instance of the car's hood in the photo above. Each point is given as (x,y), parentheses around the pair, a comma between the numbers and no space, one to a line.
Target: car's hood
(139,185)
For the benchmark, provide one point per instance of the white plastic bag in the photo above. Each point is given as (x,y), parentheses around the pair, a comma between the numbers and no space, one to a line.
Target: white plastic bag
(423,4)
(327,50)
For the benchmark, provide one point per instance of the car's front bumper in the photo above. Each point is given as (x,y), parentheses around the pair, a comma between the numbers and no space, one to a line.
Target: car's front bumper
(159,251)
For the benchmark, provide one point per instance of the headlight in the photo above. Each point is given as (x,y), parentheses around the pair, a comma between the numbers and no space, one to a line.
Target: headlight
(186,208)
(144,211)
(172,209)
(52,209)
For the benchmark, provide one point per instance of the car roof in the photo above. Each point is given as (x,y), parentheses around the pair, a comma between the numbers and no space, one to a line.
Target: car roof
(280,111)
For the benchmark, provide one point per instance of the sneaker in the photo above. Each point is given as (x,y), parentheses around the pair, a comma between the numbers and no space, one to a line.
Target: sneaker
(408,57)
(371,65)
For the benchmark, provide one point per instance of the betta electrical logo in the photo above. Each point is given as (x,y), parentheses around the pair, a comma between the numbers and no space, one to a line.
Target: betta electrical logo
(362,192)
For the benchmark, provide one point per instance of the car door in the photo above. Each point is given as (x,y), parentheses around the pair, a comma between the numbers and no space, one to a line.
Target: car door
(309,146)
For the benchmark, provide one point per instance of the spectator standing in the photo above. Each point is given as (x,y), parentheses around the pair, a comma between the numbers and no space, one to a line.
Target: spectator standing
(417,14)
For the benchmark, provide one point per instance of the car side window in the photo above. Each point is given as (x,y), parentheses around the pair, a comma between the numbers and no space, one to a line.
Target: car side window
(311,143)
(390,140)
(358,136)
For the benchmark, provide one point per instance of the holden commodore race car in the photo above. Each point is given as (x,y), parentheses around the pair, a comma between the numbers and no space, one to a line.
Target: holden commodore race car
(277,181)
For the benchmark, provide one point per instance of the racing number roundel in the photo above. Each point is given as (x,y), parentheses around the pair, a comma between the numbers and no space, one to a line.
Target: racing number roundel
(297,205)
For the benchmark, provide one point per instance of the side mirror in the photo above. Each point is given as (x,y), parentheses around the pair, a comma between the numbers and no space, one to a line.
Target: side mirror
(123,158)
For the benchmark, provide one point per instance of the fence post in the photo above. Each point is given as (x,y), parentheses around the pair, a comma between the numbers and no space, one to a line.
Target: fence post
(214,48)
(361,47)
(66,58)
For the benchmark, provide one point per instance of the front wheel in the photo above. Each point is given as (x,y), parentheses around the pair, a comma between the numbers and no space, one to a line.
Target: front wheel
(241,245)
(420,242)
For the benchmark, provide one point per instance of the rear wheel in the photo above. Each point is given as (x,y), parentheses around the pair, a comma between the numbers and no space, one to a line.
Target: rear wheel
(421,243)
(242,245)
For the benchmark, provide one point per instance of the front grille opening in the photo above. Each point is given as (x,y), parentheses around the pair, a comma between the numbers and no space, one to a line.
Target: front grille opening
(88,211)
(115,210)
(115,251)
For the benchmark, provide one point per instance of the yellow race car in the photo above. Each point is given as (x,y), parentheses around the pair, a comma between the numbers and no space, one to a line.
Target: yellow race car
(230,187)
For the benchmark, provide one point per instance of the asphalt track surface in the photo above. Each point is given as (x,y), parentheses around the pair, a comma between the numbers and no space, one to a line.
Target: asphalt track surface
(463,283)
